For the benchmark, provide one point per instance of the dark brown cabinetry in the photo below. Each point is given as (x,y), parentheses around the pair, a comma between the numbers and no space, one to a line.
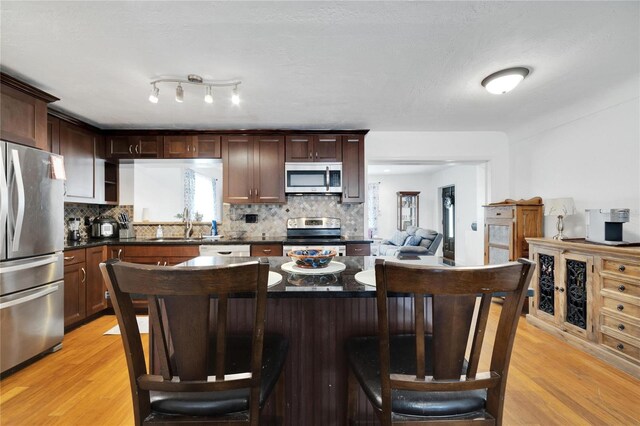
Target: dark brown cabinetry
(194,146)
(84,288)
(266,250)
(353,169)
(124,146)
(23,115)
(158,255)
(308,148)
(253,169)
(78,146)
(360,249)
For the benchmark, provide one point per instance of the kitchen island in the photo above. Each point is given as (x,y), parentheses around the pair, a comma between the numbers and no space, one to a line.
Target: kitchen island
(317,313)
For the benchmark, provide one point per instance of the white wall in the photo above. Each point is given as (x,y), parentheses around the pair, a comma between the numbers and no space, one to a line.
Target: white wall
(595,159)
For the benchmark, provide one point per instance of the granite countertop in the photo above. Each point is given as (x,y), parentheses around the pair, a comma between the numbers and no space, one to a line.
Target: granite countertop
(93,242)
(340,284)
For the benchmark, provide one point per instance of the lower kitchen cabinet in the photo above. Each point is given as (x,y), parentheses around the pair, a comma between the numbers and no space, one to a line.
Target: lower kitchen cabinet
(84,288)
(262,250)
(589,296)
(363,249)
(163,255)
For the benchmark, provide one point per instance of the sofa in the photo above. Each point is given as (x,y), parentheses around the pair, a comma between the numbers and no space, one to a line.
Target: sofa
(415,240)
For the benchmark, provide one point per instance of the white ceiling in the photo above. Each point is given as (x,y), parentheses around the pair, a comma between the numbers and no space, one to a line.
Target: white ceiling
(378,65)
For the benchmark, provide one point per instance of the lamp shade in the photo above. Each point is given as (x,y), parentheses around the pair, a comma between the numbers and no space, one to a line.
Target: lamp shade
(559,207)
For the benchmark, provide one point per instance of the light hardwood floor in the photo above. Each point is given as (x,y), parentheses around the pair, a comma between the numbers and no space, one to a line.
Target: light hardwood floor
(86,383)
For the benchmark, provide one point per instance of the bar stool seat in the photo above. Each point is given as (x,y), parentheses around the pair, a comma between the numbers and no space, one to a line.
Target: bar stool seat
(364,360)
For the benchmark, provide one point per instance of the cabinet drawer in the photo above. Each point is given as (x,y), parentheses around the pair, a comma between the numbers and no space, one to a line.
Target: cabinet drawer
(619,346)
(499,212)
(72,257)
(358,249)
(266,249)
(624,308)
(621,287)
(161,251)
(620,326)
(621,267)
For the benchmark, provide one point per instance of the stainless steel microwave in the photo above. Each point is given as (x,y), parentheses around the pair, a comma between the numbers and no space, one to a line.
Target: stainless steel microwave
(313,178)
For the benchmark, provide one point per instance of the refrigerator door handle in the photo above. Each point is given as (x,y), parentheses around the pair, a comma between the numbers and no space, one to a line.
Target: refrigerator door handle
(29,265)
(4,198)
(29,297)
(20,214)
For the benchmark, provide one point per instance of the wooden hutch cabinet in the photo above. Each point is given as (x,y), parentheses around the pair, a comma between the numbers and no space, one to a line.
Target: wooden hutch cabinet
(589,296)
(506,228)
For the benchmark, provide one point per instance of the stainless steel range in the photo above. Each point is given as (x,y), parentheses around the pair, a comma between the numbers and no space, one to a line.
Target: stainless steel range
(316,232)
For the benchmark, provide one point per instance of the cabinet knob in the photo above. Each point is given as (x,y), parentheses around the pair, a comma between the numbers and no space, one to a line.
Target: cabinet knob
(621,287)
(498,214)
(69,257)
(84,275)
(137,149)
(310,155)
(620,327)
(620,346)
(561,290)
(266,251)
(621,268)
(188,148)
(620,307)
(316,155)
(557,288)
(119,254)
(130,149)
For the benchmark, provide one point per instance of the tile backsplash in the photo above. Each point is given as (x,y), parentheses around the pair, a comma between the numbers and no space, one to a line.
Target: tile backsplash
(272,218)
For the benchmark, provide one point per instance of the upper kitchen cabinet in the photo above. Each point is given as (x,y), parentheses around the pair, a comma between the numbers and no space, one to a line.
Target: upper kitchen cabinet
(128,147)
(312,148)
(78,146)
(24,113)
(253,168)
(192,146)
(353,169)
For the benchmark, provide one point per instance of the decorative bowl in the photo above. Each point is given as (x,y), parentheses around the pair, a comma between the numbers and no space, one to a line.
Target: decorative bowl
(312,258)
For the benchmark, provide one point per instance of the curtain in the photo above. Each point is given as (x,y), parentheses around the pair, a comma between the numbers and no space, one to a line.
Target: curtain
(190,190)
(373,203)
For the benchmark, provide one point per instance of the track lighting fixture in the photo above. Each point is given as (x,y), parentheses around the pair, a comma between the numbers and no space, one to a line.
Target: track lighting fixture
(153,97)
(197,81)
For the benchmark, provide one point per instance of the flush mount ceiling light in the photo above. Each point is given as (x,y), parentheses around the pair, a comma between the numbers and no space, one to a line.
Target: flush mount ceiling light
(505,80)
(197,81)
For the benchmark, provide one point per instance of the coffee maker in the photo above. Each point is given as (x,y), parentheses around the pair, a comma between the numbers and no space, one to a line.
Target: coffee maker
(604,226)
(74,229)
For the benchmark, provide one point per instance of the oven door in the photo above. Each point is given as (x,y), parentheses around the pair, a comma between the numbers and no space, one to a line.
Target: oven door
(340,249)
(321,178)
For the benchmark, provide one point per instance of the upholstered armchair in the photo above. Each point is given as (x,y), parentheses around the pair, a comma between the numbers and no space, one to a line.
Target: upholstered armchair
(418,241)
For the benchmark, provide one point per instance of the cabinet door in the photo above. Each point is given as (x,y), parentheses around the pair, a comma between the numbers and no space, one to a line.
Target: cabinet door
(77,145)
(299,148)
(95,287)
(208,146)
(575,294)
(545,282)
(179,146)
(119,147)
(147,146)
(327,148)
(23,118)
(268,170)
(237,157)
(353,169)
(75,277)
(53,134)
(498,234)
(528,224)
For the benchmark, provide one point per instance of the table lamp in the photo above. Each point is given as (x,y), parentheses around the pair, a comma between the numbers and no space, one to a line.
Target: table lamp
(559,207)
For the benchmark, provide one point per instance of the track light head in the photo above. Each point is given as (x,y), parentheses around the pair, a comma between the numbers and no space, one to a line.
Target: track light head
(153,97)
(235,97)
(208,97)
(179,93)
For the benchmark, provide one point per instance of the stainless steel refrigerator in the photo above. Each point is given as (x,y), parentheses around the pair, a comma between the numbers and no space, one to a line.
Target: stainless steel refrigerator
(31,259)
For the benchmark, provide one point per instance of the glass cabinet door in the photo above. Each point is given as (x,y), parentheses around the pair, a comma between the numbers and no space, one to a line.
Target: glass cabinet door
(407,209)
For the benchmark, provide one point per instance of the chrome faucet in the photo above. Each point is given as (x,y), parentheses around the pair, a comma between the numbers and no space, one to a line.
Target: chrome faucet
(188,226)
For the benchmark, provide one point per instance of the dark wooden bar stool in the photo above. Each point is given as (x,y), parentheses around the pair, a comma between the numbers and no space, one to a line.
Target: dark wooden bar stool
(426,377)
(205,376)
